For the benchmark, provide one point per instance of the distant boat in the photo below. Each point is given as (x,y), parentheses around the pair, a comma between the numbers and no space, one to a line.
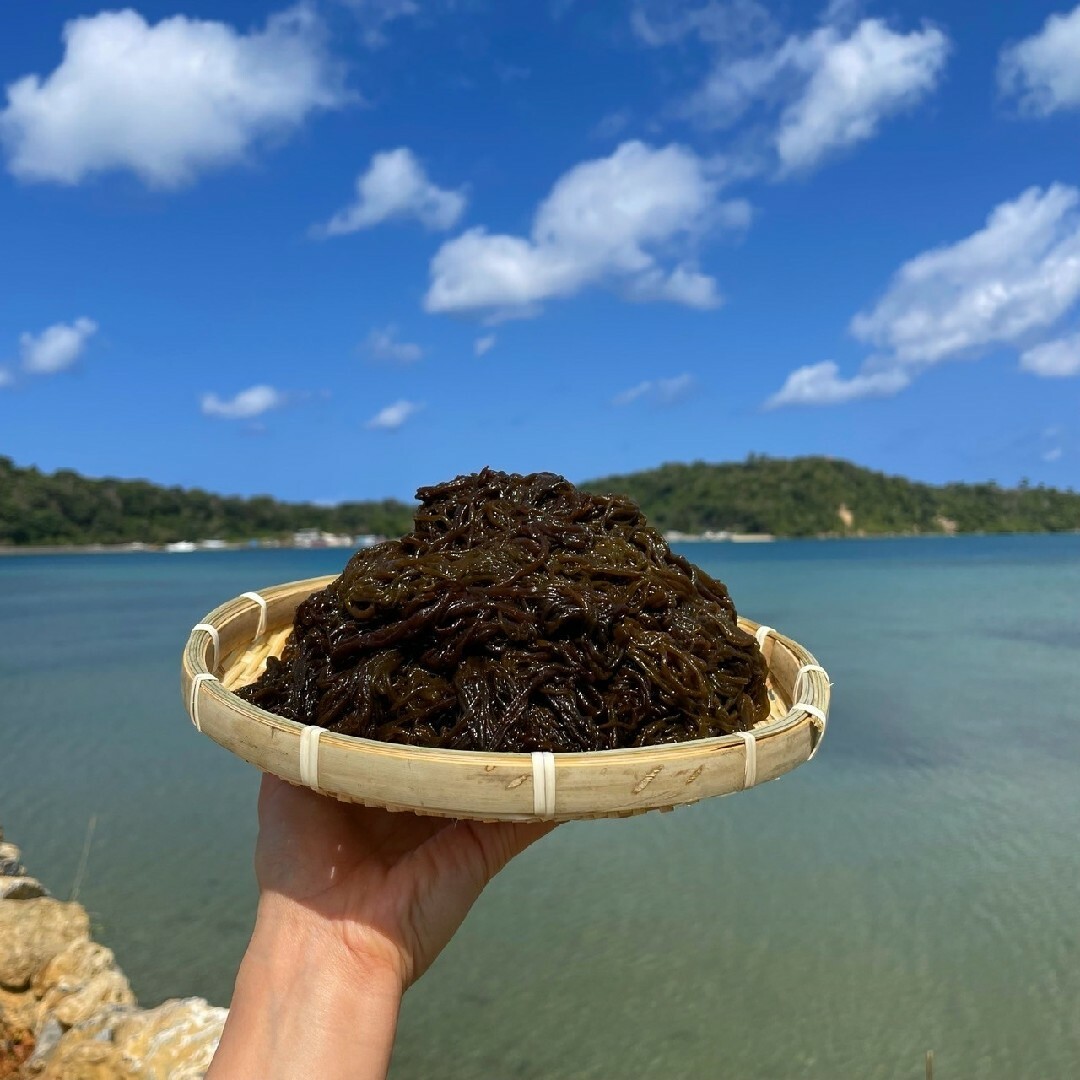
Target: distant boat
(181,547)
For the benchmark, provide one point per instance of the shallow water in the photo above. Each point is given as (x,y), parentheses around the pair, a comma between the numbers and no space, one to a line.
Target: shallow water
(915,887)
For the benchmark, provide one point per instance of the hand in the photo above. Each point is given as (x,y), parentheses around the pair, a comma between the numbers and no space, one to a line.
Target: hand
(355,904)
(391,887)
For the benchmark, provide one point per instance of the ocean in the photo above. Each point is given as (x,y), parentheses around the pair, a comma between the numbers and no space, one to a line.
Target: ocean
(915,887)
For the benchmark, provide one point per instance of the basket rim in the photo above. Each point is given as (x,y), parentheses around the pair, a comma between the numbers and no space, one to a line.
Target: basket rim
(194,663)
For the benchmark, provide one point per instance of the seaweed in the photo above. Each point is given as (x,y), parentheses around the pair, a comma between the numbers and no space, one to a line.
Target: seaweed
(520,614)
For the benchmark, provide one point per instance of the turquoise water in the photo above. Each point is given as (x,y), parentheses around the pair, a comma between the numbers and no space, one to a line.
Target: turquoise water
(917,886)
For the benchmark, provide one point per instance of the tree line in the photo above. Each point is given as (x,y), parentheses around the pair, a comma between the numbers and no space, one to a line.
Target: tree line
(809,496)
(44,509)
(816,496)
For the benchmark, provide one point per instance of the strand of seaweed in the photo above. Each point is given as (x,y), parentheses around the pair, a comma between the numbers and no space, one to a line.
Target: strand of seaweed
(520,614)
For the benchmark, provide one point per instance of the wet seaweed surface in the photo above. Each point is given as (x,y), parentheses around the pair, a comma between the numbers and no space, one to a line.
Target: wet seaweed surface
(520,614)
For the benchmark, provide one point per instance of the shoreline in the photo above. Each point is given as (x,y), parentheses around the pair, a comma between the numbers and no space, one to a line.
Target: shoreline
(681,538)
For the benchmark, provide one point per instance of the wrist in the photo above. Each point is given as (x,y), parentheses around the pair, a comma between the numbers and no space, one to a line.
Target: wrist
(308,1003)
(288,933)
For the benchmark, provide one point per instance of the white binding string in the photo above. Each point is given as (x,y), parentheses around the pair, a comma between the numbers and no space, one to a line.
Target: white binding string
(262,611)
(821,720)
(750,769)
(212,631)
(309,756)
(818,714)
(543,778)
(803,671)
(761,634)
(203,676)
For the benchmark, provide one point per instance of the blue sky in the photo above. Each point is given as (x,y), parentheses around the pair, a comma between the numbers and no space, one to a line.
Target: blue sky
(342,249)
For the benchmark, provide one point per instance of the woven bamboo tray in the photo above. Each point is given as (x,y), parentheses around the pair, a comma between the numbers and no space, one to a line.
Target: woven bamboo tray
(229,650)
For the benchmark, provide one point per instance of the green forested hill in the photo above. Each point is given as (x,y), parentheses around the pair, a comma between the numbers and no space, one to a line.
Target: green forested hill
(811,496)
(796,497)
(65,508)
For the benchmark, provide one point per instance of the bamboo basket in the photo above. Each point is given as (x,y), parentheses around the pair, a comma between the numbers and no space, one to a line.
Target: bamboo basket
(229,650)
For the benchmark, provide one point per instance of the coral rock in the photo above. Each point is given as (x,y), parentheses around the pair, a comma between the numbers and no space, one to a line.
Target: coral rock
(75,966)
(10,866)
(32,932)
(18,1012)
(21,888)
(106,988)
(48,1035)
(88,1061)
(175,1041)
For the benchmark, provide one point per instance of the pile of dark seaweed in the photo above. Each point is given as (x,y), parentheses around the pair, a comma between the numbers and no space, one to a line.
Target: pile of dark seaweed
(520,614)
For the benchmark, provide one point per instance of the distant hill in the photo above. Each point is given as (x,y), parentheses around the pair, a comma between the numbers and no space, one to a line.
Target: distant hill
(65,508)
(809,496)
(815,496)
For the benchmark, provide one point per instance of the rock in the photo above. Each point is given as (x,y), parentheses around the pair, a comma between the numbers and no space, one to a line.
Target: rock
(18,1012)
(21,888)
(15,1048)
(175,1041)
(32,932)
(102,1026)
(105,988)
(88,1061)
(48,1037)
(66,1003)
(81,981)
(86,1051)
(73,967)
(18,1016)
(10,866)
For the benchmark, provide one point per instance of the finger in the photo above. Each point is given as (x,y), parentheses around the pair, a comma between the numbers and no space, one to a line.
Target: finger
(476,851)
(282,803)
(504,840)
(389,834)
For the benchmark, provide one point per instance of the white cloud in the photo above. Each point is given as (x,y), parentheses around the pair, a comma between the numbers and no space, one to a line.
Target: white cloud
(484,344)
(1051,440)
(835,85)
(855,84)
(682,285)
(245,405)
(1005,285)
(393,416)
(375,15)
(604,221)
(728,24)
(1053,359)
(821,384)
(627,397)
(383,344)
(612,125)
(1018,274)
(6,377)
(55,348)
(1043,71)
(167,100)
(396,186)
(658,391)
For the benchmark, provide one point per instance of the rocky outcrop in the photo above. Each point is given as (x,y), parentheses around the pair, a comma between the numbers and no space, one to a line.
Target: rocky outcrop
(175,1041)
(66,1009)
(32,932)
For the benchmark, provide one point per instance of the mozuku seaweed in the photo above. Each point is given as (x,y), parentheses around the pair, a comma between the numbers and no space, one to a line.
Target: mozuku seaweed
(520,614)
